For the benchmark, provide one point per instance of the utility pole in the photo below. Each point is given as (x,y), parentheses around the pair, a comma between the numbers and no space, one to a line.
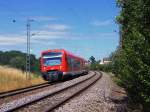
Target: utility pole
(28,61)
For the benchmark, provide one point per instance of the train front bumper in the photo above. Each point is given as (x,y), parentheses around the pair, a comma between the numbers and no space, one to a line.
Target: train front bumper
(52,75)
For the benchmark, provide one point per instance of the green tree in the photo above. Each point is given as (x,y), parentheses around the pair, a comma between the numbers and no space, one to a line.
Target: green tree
(18,62)
(92,59)
(132,60)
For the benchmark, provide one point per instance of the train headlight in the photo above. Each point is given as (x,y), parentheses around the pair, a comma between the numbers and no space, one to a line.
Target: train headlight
(44,68)
(60,67)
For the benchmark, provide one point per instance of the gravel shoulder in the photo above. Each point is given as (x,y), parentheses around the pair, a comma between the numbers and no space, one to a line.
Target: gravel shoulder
(21,101)
(103,96)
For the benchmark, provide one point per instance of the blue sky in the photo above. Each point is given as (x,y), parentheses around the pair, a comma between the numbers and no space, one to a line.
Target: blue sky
(83,27)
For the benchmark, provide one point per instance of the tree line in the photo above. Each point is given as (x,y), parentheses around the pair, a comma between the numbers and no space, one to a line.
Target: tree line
(95,64)
(17,59)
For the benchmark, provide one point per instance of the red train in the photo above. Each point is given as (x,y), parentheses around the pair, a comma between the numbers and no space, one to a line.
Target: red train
(59,64)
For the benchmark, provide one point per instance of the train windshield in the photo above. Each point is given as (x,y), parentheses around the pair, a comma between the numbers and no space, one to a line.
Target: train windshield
(52,58)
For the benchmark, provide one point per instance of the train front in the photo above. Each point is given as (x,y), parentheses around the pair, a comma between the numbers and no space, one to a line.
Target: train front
(52,65)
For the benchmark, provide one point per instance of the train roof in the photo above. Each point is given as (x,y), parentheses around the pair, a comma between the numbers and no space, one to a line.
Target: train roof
(63,50)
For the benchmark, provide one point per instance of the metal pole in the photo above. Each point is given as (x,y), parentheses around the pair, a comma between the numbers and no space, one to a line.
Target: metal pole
(28,59)
(28,51)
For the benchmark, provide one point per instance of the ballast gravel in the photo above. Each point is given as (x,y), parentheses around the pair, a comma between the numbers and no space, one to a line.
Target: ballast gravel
(94,99)
(22,95)
(6,106)
(50,102)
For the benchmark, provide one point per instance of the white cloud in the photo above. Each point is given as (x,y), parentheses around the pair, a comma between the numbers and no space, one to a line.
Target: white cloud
(60,27)
(102,23)
(43,18)
(50,42)
(12,39)
(52,33)
(45,35)
(40,37)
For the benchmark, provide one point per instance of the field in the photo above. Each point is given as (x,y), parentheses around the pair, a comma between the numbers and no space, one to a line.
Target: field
(11,79)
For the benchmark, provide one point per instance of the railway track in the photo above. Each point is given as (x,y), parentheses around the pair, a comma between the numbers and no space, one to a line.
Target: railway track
(49,100)
(23,90)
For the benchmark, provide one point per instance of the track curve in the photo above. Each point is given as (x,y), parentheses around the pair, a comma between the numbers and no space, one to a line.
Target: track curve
(76,88)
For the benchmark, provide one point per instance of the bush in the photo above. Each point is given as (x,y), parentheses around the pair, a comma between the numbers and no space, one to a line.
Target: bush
(132,61)
(104,67)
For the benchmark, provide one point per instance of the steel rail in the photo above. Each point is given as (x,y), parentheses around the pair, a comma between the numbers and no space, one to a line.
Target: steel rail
(23,90)
(73,95)
(48,95)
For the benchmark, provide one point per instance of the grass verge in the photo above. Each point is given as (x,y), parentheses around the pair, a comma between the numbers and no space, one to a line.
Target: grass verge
(11,78)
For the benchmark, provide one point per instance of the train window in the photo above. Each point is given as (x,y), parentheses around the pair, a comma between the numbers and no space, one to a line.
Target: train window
(69,62)
(52,61)
(76,63)
(52,54)
(73,63)
(52,58)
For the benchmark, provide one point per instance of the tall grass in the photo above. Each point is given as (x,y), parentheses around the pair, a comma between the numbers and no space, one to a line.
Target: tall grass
(11,78)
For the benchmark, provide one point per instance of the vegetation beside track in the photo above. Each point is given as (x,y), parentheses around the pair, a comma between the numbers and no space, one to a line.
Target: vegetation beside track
(17,59)
(11,78)
(131,61)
